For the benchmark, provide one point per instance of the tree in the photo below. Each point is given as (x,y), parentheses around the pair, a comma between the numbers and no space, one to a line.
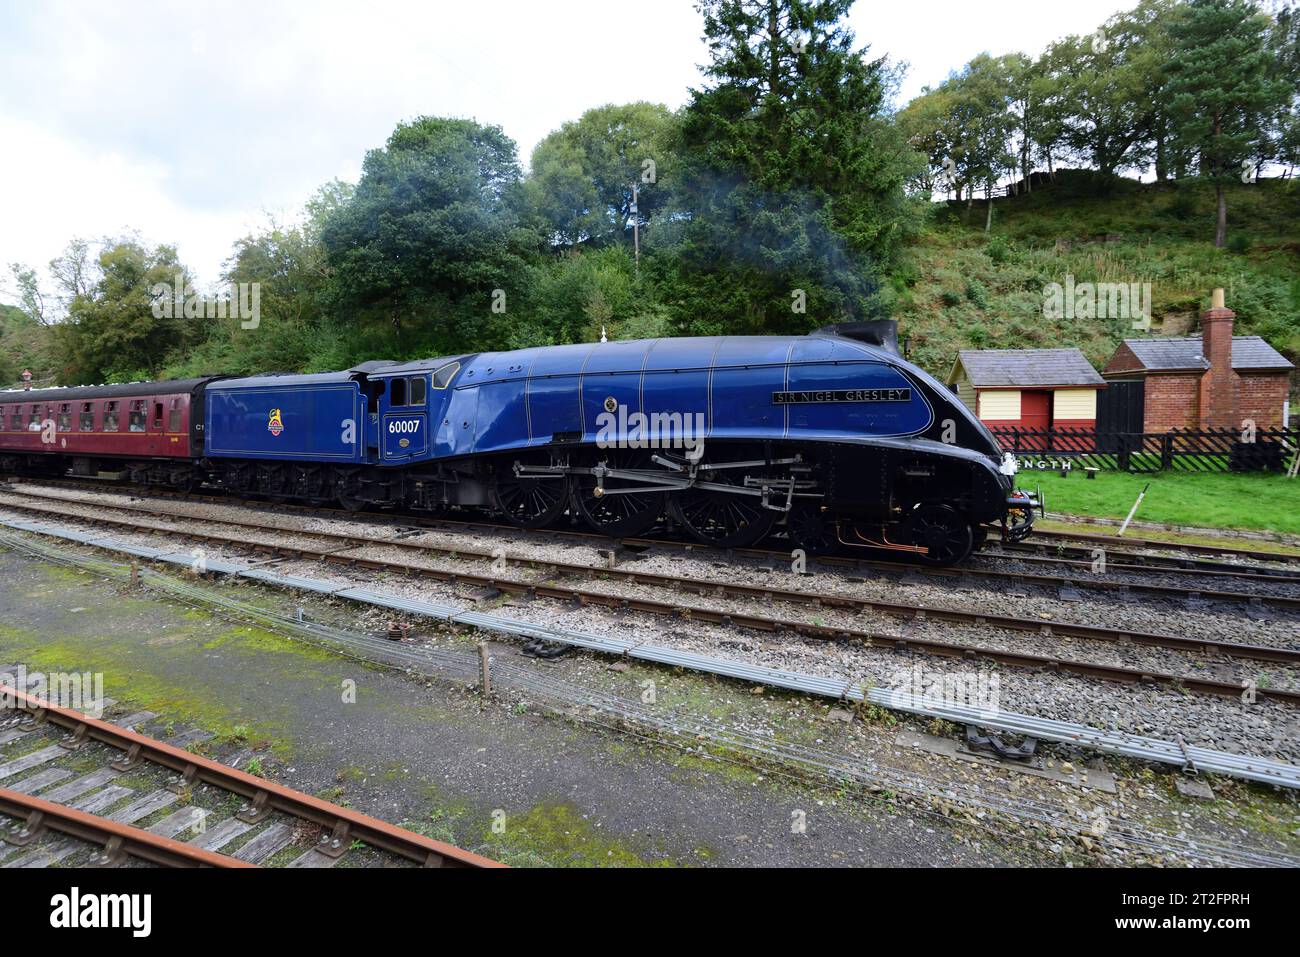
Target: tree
(114,332)
(287,262)
(30,297)
(792,184)
(1224,91)
(431,242)
(1106,117)
(583,173)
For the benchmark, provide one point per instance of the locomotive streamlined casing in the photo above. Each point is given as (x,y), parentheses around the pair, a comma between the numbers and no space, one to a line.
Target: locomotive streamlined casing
(846,426)
(747,388)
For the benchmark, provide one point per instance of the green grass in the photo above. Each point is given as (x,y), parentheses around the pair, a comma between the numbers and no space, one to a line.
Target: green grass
(1254,501)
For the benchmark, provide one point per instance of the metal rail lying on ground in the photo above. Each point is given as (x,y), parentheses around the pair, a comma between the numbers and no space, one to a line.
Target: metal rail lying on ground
(118,839)
(263,796)
(1187,757)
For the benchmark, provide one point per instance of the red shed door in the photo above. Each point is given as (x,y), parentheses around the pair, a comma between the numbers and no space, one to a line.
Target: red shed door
(1036,415)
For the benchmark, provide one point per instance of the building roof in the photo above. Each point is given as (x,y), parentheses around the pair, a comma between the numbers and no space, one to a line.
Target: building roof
(1009,368)
(1184,352)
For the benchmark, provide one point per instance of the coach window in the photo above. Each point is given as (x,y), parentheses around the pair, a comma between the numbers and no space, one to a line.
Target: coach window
(87,421)
(417,390)
(34,419)
(16,419)
(138,416)
(110,417)
(65,417)
(174,416)
(397,392)
(3,420)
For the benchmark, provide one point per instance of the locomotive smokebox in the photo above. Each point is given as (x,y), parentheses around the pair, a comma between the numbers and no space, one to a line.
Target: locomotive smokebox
(875,332)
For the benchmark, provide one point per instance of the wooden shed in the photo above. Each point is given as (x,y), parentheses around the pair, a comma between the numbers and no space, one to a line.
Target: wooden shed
(1028,388)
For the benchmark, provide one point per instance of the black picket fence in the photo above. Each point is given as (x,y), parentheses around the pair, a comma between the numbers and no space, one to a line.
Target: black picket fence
(1210,450)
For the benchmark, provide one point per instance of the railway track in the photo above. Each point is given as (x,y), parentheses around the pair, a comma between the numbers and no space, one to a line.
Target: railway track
(58,814)
(343,543)
(1155,543)
(1117,560)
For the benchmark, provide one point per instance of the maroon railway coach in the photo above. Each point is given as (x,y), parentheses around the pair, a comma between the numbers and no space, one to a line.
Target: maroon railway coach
(153,430)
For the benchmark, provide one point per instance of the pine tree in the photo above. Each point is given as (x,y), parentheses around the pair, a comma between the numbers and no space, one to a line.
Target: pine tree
(793,175)
(1225,91)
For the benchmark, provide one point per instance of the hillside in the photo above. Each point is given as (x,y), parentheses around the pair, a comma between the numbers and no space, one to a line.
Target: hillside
(960,288)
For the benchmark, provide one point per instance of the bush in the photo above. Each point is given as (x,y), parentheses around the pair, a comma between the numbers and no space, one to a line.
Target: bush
(997,250)
(1239,243)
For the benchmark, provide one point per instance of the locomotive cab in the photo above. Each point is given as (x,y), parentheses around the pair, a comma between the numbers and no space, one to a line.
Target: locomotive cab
(412,404)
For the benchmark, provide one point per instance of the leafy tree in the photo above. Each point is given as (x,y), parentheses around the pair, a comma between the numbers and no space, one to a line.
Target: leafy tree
(1224,91)
(113,332)
(287,261)
(1106,119)
(583,173)
(792,174)
(432,234)
(24,344)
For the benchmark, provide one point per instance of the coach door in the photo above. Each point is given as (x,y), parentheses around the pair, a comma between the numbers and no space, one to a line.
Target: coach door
(404,419)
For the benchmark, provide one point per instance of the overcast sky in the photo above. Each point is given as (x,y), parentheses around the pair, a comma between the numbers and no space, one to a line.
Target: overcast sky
(192,121)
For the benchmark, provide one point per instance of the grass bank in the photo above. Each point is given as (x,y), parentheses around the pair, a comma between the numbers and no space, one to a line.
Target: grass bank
(1252,501)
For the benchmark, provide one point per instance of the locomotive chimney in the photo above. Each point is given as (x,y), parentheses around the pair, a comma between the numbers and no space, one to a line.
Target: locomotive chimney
(1218,393)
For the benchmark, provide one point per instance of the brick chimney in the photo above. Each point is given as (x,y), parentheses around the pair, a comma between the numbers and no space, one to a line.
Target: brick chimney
(1218,394)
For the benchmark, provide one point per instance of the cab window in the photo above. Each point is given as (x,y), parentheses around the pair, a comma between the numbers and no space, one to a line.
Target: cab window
(110,417)
(397,392)
(87,419)
(442,378)
(416,390)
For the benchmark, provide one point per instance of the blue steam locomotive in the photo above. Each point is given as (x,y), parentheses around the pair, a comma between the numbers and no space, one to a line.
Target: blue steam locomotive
(828,439)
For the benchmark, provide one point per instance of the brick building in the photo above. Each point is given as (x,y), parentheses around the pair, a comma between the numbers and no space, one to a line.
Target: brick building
(1028,388)
(1212,381)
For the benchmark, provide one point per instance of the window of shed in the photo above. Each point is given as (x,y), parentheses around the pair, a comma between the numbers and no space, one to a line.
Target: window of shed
(397,392)
(417,390)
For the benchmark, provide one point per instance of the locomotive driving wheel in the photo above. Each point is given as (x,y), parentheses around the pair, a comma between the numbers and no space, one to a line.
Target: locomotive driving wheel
(723,519)
(944,532)
(621,514)
(528,501)
(809,529)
